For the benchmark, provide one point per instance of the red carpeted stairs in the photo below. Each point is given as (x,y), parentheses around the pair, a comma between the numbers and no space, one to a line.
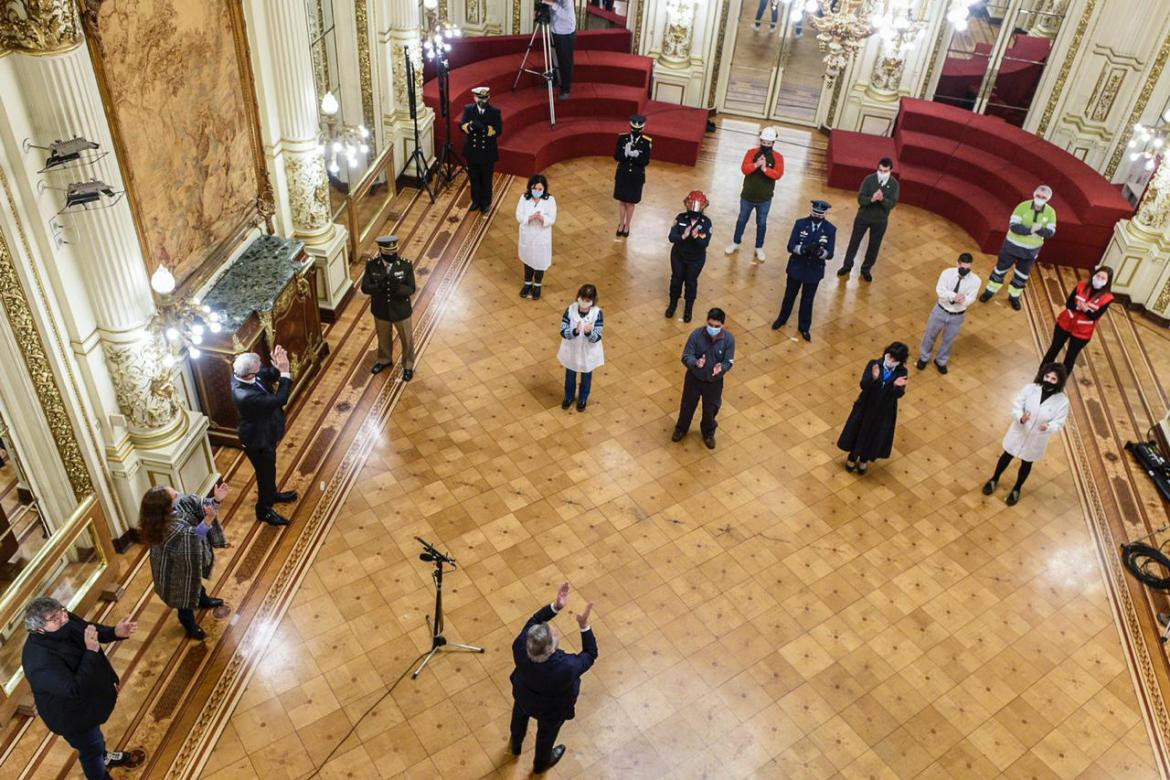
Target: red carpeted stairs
(608,86)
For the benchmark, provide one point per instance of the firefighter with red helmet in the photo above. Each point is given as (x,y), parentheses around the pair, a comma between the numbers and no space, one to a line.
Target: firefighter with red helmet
(690,234)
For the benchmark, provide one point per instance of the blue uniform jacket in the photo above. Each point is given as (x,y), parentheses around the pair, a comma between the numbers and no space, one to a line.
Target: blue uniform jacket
(807,269)
(549,690)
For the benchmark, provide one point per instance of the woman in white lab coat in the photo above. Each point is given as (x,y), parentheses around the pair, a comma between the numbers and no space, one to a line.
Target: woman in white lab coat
(581,351)
(536,212)
(1039,411)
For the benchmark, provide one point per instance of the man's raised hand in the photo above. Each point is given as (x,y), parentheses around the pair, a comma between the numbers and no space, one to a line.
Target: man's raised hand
(562,596)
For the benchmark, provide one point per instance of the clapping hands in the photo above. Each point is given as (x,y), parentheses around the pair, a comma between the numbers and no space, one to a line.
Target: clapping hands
(220,492)
(280,359)
(900,382)
(562,601)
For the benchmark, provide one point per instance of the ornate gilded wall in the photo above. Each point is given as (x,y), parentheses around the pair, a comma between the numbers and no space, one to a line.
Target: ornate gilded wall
(180,104)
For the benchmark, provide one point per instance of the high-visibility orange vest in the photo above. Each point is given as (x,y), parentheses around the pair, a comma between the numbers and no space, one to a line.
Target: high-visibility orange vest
(1075,322)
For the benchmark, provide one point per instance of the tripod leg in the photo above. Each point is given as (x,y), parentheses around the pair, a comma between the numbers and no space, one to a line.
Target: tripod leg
(468,648)
(424,663)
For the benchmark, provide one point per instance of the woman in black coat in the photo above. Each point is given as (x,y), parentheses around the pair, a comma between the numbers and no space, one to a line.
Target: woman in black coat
(869,431)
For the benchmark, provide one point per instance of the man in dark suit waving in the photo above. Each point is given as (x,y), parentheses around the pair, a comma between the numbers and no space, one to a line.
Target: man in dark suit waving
(262,424)
(546,680)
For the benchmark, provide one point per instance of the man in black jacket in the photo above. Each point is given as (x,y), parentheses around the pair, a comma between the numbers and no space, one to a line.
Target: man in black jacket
(73,684)
(262,424)
(483,124)
(810,246)
(875,199)
(547,680)
(689,236)
(708,356)
(389,281)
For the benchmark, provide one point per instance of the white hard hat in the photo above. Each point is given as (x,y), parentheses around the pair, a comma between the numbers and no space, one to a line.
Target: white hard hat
(768,134)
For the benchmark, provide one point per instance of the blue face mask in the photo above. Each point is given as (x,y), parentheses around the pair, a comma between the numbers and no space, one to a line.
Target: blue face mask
(713,331)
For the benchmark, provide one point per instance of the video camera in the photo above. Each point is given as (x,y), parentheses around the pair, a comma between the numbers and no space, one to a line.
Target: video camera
(542,13)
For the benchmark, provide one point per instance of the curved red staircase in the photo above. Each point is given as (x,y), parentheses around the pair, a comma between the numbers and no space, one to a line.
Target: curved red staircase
(608,86)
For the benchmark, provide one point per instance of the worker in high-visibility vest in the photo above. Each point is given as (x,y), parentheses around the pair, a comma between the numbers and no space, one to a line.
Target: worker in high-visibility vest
(1032,222)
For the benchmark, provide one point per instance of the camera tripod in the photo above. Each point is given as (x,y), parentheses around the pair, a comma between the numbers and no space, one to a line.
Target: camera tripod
(416,157)
(541,28)
(438,641)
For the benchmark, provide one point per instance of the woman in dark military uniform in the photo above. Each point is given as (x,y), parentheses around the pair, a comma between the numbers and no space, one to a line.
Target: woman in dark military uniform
(632,155)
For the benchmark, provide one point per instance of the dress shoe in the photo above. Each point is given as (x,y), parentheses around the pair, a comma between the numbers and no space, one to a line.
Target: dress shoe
(1015,301)
(921,364)
(513,747)
(709,441)
(989,487)
(557,753)
(626,233)
(565,404)
(942,367)
(618,233)
(407,374)
(208,602)
(285,497)
(677,435)
(850,466)
(670,310)
(526,291)
(1013,498)
(473,207)
(867,276)
(197,633)
(777,324)
(985,296)
(862,468)
(536,292)
(379,367)
(844,271)
(272,518)
(804,334)
(580,406)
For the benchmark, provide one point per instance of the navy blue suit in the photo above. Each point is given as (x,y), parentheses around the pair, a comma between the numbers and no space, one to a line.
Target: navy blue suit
(546,691)
(805,268)
(262,428)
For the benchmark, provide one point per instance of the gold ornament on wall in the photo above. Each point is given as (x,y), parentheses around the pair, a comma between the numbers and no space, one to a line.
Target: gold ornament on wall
(365,72)
(142,386)
(40,26)
(308,191)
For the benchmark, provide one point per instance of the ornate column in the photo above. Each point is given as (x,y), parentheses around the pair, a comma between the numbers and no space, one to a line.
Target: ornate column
(97,271)
(685,36)
(1139,251)
(397,25)
(281,43)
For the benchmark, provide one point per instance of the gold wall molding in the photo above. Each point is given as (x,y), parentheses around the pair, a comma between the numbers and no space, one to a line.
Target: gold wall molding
(40,26)
(144,390)
(365,68)
(36,361)
(516,19)
(1105,91)
(1139,107)
(1074,46)
(1162,304)
(308,191)
(719,39)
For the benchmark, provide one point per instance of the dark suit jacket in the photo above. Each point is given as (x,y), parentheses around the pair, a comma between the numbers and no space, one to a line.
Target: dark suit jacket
(802,266)
(480,148)
(261,412)
(549,690)
(74,689)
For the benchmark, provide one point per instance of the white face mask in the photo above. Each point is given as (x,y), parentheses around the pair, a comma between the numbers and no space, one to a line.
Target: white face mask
(584,305)
(889,363)
(1098,283)
(1039,202)
(538,192)
(883,177)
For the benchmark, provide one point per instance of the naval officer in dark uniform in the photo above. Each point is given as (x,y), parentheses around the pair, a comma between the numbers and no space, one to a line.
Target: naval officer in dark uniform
(632,155)
(810,245)
(483,125)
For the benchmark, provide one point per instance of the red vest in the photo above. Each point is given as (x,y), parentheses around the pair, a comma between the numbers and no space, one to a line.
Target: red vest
(1075,322)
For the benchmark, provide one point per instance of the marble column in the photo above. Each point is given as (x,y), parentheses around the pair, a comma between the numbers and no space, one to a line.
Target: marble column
(98,271)
(288,76)
(397,26)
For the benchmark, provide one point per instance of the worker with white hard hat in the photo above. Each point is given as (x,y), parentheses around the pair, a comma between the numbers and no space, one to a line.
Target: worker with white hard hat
(762,167)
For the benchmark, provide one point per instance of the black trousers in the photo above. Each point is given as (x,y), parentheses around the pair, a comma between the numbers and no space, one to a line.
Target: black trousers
(694,390)
(1075,345)
(564,45)
(808,291)
(480,176)
(187,616)
(685,274)
(876,231)
(546,734)
(264,462)
(91,752)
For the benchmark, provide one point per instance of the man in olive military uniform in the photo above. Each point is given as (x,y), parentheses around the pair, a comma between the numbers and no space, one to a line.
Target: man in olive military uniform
(483,125)
(632,155)
(389,281)
(810,246)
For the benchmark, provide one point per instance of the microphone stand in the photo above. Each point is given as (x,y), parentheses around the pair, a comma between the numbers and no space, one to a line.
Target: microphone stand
(438,641)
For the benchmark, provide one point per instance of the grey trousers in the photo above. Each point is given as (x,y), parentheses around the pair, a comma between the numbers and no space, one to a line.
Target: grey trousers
(385,330)
(946,323)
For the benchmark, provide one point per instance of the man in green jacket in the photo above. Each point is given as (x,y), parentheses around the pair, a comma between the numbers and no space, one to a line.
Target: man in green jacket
(1031,223)
(877,197)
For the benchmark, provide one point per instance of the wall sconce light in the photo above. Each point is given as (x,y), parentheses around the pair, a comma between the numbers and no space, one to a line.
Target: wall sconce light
(184,323)
(339,138)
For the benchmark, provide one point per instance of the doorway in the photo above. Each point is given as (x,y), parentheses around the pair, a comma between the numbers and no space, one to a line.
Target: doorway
(776,70)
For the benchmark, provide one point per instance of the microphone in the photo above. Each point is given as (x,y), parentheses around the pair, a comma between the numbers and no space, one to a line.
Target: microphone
(426,557)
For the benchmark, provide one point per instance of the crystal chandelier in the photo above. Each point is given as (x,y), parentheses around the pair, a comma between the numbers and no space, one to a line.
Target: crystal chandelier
(841,33)
(1148,143)
(898,28)
(339,139)
(184,323)
(959,13)
(1147,147)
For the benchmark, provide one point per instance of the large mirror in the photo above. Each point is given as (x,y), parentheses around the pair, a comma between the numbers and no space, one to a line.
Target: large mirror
(23,529)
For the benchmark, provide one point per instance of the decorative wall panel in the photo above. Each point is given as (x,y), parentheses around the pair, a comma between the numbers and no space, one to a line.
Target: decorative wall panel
(179,94)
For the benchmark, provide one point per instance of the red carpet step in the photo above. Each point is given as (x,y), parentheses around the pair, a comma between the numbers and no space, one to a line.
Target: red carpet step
(608,86)
(975,169)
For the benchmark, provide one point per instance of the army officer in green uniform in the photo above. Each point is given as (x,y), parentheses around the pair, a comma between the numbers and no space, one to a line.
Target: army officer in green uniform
(389,281)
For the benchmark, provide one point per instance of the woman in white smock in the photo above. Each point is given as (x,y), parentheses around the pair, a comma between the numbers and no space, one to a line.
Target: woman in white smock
(536,212)
(581,350)
(1039,411)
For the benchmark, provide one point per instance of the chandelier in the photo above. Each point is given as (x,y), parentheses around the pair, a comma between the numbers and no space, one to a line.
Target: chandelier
(339,139)
(959,13)
(184,323)
(898,28)
(1148,143)
(844,25)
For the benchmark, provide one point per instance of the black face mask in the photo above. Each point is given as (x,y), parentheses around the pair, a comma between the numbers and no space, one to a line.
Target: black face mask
(635,132)
(964,271)
(1050,385)
(481,102)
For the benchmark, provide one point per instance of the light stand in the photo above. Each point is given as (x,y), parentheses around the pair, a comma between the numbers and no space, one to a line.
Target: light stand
(422,173)
(541,28)
(438,641)
(449,163)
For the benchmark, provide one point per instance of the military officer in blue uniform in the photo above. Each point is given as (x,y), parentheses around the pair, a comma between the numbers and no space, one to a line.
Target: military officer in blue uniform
(810,245)
(483,125)
(632,155)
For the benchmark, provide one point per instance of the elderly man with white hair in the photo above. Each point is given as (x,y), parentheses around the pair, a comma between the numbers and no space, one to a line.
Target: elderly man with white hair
(1031,223)
(262,424)
(547,680)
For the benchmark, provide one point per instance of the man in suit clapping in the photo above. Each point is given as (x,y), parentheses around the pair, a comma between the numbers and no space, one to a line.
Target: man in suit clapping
(262,424)
(547,680)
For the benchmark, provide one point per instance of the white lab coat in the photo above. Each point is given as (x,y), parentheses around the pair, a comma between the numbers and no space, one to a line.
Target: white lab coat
(579,353)
(1025,440)
(535,238)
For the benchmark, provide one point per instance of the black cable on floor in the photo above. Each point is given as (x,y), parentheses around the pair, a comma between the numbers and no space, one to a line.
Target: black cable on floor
(1138,556)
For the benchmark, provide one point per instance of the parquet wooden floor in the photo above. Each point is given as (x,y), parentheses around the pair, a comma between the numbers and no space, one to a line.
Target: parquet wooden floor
(760,612)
